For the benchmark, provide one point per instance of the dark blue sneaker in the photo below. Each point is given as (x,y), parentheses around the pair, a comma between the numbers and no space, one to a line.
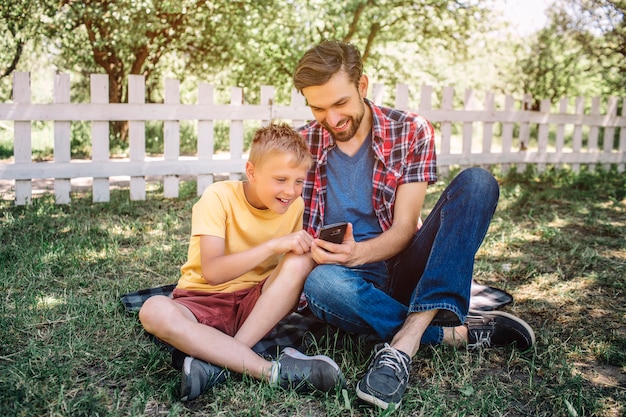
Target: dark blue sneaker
(301,372)
(496,329)
(386,379)
(198,376)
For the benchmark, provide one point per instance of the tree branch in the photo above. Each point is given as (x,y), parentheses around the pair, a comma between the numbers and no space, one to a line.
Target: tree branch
(16,58)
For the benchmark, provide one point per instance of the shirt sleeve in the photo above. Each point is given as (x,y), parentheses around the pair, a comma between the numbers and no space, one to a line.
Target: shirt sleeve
(421,159)
(208,216)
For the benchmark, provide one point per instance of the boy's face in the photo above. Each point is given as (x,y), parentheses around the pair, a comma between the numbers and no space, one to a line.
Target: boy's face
(338,105)
(275,182)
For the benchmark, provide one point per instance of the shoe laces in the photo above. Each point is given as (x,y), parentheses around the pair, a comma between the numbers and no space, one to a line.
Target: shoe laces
(390,357)
(483,339)
(481,331)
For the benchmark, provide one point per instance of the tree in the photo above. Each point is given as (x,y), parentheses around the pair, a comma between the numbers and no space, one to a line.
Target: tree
(248,42)
(582,52)
(394,36)
(599,26)
(20,21)
(554,67)
(132,37)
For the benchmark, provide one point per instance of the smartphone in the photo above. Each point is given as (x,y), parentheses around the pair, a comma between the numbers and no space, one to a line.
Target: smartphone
(334,232)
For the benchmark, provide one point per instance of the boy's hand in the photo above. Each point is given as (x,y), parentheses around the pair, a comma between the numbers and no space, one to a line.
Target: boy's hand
(297,242)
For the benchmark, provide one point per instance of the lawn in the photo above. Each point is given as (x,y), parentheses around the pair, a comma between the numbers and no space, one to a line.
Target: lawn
(557,244)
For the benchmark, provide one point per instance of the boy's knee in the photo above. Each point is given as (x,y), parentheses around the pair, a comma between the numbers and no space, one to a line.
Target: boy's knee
(294,269)
(150,310)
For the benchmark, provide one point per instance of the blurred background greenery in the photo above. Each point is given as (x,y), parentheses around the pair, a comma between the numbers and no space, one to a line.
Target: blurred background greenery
(571,47)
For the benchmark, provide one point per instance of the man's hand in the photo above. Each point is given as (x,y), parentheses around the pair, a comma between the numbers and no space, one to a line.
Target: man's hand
(325,252)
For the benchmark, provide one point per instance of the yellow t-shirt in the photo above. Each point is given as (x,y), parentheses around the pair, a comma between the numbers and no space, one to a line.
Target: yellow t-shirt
(223,211)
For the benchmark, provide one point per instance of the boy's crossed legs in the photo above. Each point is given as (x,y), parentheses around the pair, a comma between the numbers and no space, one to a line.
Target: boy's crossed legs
(175,324)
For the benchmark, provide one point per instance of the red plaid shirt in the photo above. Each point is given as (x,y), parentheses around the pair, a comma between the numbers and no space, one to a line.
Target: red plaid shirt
(404,145)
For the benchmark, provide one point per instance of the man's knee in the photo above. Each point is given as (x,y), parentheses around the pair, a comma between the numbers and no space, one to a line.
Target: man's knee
(329,284)
(480,181)
(317,280)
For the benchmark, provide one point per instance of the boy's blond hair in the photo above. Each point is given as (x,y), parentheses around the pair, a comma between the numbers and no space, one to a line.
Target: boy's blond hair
(279,138)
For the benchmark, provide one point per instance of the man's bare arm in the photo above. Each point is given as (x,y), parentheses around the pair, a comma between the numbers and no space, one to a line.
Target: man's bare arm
(408,206)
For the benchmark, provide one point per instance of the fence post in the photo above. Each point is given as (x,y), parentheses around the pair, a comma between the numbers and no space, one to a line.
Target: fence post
(378,94)
(100,136)
(137,135)
(507,133)
(524,130)
(560,130)
(577,138)
(22,143)
(236,130)
(488,125)
(446,126)
(297,99)
(402,97)
(426,99)
(62,139)
(468,130)
(609,131)
(268,94)
(622,140)
(171,138)
(594,132)
(542,137)
(206,140)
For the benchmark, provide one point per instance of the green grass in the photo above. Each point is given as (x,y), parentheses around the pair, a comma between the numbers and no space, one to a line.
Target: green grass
(557,243)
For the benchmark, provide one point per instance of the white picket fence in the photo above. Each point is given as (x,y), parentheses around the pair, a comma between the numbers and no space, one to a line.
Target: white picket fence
(563,137)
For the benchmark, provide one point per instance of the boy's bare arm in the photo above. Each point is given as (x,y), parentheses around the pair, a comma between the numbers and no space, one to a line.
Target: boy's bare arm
(218,268)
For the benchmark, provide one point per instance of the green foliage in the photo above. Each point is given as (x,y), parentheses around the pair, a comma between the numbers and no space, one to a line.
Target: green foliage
(6,149)
(80,139)
(394,37)
(580,53)
(599,26)
(245,43)
(554,68)
(20,23)
(253,43)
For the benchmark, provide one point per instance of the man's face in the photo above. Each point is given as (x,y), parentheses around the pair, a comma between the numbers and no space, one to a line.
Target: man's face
(338,105)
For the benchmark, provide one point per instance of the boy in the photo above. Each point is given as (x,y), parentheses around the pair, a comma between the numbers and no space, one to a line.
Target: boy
(247,261)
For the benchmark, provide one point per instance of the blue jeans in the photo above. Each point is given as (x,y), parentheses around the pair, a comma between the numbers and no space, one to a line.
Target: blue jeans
(433,272)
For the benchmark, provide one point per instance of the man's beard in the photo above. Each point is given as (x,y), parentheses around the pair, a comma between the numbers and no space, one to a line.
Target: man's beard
(355,123)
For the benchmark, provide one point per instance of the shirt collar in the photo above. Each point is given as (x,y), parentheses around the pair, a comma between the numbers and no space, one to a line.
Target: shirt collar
(378,122)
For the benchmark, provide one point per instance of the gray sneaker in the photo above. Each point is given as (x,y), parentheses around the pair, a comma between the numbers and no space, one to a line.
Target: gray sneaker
(301,372)
(386,379)
(496,328)
(198,376)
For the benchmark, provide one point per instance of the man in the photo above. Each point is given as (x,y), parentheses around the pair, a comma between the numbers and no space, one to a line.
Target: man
(405,282)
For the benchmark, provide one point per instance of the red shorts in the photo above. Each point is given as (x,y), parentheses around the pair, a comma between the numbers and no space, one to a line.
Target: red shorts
(225,312)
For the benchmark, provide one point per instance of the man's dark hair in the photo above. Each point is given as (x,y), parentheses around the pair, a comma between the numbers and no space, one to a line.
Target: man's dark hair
(324,60)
